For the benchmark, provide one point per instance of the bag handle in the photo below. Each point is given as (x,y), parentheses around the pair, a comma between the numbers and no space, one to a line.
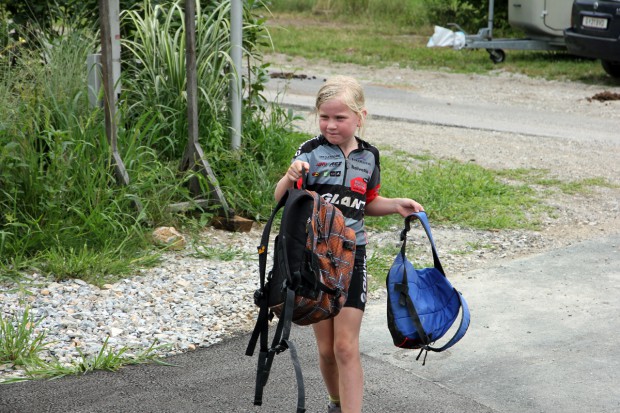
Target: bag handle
(304,177)
(421,216)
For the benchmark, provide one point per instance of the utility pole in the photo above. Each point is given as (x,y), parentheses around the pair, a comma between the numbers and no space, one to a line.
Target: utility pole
(236,38)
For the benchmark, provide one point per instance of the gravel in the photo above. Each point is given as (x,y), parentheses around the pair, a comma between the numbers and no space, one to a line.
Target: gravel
(189,302)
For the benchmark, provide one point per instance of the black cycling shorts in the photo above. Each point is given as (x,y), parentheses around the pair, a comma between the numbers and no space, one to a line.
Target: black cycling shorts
(359,283)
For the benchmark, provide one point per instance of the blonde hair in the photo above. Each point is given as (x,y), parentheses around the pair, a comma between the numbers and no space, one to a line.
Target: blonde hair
(349,90)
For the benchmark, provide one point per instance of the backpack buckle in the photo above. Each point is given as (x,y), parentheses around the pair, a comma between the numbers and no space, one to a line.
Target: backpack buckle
(280,347)
(259,295)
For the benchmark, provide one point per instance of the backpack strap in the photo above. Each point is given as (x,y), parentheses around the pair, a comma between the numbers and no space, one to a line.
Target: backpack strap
(404,290)
(279,344)
(260,296)
(463,326)
(404,299)
(281,340)
(304,178)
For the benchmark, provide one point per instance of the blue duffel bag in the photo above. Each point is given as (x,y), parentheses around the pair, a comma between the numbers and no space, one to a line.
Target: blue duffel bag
(422,304)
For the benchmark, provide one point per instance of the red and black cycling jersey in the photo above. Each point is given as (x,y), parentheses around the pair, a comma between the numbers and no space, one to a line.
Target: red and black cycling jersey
(347,182)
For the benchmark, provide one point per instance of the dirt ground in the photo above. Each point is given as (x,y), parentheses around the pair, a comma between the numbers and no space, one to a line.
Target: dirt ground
(575,217)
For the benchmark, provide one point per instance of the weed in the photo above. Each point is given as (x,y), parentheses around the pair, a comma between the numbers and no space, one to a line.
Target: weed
(20,341)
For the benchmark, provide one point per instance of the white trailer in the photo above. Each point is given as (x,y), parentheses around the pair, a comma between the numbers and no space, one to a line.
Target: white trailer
(542,21)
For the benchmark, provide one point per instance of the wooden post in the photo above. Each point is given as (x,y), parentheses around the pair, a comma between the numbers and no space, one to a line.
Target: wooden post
(193,156)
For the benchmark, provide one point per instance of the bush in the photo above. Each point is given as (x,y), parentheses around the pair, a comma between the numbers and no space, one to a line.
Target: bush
(471,15)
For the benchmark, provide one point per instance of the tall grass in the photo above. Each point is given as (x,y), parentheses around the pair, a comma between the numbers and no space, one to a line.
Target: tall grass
(158,59)
(57,195)
(60,208)
(21,340)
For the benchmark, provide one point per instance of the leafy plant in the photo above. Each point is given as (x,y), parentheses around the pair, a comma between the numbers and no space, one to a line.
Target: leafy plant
(110,360)
(60,207)
(20,342)
(106,359)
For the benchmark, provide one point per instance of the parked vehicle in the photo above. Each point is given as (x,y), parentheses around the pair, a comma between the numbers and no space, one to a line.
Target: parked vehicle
(595,32)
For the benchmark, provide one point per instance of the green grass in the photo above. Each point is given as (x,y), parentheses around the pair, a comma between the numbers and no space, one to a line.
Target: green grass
(61,210)
(456,193)
(351,41)
(540,177)
(209,252)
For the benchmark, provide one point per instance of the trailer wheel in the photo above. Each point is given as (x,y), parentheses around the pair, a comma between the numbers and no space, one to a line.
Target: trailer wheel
(612,68)
(497,55)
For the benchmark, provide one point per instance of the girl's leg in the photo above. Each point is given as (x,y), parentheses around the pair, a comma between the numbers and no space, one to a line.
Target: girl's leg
(324,333)
(346,334)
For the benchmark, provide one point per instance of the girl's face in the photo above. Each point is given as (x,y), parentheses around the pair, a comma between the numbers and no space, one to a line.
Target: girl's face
(338,122)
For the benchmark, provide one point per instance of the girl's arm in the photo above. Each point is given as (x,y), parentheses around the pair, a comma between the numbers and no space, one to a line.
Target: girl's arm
(381,206)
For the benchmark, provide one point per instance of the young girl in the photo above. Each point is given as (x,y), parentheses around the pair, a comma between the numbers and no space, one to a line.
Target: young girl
(344,169)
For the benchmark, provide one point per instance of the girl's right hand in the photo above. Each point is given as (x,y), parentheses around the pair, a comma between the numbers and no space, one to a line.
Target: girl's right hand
(294,171)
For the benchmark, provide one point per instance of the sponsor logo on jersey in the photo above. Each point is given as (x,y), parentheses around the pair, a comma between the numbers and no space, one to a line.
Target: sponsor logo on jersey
(357,168)
(358,185)
(362,161)
(347,201)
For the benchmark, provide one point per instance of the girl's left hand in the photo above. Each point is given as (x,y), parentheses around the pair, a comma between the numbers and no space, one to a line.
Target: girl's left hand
(406,206)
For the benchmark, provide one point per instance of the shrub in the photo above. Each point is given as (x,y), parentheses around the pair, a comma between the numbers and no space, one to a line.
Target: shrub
(471,15)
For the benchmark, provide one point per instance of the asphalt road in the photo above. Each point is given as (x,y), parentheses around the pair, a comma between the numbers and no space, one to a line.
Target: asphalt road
(394,103)
(543,337)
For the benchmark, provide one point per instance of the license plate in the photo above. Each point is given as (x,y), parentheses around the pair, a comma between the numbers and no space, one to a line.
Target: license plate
(594,22)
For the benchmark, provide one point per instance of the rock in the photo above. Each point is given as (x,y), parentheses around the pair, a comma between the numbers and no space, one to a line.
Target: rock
(169,237)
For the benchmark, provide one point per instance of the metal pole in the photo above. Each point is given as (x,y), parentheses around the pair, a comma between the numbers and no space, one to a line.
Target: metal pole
(236,35)
(107,60)
(115,43)
(491,17)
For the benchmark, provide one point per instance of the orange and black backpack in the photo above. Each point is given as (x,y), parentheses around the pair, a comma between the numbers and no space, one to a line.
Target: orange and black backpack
(313,258)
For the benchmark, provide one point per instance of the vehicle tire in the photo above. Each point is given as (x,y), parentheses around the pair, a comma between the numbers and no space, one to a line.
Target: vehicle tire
(612,68)
(497,55)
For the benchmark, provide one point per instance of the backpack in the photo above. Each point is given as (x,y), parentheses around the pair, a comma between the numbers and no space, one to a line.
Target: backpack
(314,254)
(422,304)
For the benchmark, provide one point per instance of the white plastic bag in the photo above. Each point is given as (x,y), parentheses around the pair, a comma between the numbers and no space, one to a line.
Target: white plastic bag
(445,37)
